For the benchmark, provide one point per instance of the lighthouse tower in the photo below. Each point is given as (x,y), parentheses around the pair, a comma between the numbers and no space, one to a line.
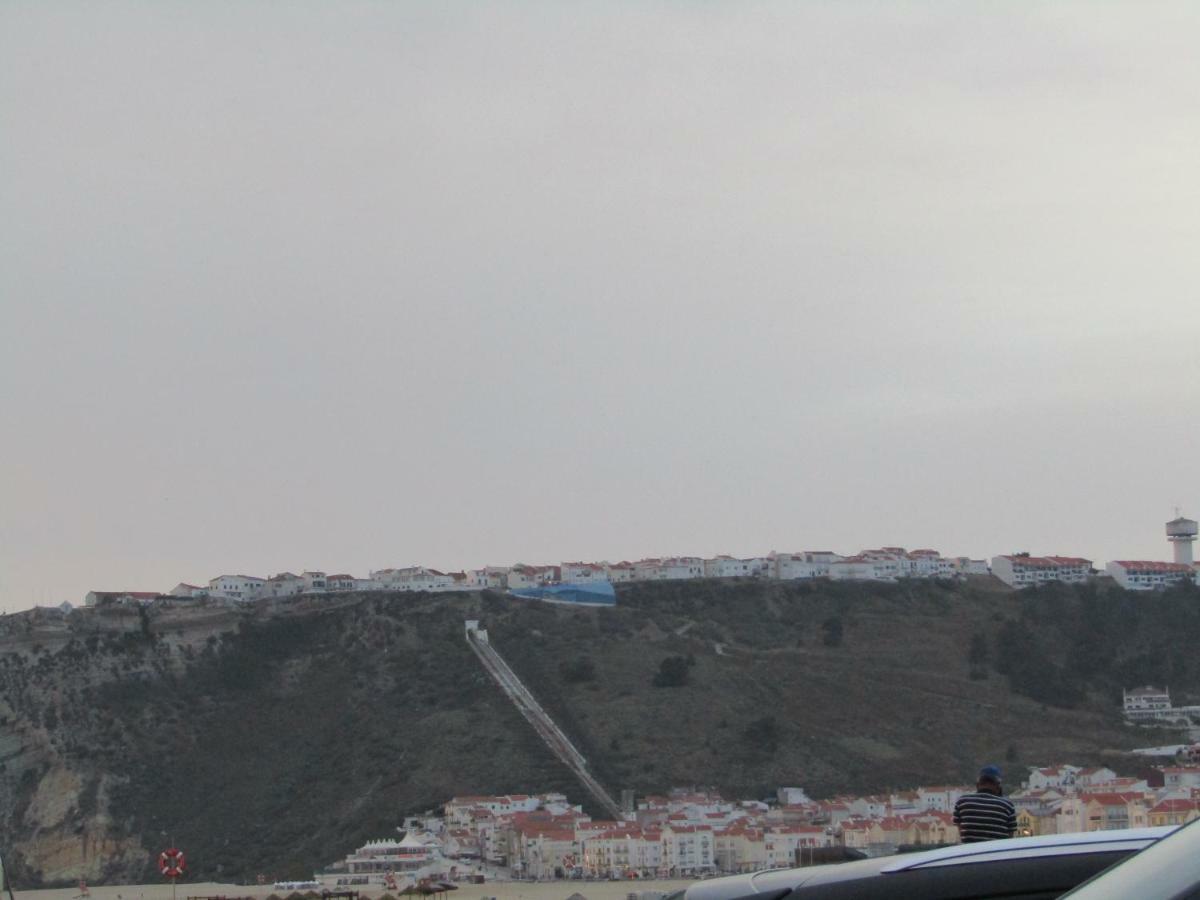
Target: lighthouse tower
(1181,533)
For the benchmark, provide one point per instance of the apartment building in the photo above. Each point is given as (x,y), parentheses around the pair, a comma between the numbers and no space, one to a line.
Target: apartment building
(1021,570)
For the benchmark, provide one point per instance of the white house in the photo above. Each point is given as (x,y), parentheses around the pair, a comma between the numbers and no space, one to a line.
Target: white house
(1180,777)
(894,561)
(584,573)
(237,587)
(98,598)
(869,807)
(964,565)
(926,564)
(493,577)
(863,568)
(730,567)
(1094,777)
(314,582)
(619,572)
(668,569)
(792,796)
(341,582)
(1144,575)
(939,797)
(284,584)
(525,576)
(183,589)
(1022,570)
(416,578)
(1052,777)
(806,564)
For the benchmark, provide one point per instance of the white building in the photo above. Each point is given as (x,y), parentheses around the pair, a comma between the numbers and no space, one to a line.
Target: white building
(927,564)
(792,796)
(1144,575)
(687,850)
(284,584)
(493,577)
(184,589)
(806,564)
(785,843)
(620,572)
(584,573)
(671,568)
(1052,777)
(939,797)
(418,578)
(525,576)
(964,565)
(341,582)
(730,567)
(862,568)
(237,587)
(99,598)
(1022,570)
(621,852)
(379,858)
(314,582)
(1146,702)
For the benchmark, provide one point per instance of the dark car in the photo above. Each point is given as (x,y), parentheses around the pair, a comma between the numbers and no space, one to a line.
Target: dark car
(1034,868)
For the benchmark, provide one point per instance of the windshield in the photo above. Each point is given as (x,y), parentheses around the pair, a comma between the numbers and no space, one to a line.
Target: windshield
(1168,870)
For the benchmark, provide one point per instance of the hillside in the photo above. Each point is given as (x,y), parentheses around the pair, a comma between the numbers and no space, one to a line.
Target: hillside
(274,739)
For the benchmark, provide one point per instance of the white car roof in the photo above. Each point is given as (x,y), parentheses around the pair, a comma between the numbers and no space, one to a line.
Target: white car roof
(733,886)
(1025,847)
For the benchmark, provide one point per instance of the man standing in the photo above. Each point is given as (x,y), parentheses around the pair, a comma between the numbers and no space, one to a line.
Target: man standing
(985,815)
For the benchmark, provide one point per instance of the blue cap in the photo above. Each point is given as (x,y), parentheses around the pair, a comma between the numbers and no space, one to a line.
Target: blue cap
(990,773)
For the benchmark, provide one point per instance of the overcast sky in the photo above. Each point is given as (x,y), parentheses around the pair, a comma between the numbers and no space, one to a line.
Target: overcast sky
(352,285)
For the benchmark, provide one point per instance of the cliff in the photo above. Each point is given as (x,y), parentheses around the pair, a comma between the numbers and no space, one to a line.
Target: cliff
(277,738)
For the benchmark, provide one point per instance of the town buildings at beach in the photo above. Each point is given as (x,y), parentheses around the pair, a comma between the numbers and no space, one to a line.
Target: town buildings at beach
(691,833)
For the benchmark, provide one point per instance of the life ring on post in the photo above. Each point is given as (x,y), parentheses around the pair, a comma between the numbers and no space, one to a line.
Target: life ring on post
(171,862)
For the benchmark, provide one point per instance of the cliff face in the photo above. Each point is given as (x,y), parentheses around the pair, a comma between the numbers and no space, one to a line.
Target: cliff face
(274,740)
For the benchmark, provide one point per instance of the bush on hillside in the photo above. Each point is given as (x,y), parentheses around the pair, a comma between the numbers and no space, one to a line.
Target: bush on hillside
(577,670)
(672,672)
(833,629)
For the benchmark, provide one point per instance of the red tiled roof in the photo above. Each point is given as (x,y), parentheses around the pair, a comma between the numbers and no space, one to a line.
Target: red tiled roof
(1177,805)
(1046,562)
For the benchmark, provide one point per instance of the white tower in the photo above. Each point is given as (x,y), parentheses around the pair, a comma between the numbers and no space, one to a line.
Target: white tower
(1181,533)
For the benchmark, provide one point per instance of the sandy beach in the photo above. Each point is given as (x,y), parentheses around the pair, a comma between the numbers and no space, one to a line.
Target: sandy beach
(500,890)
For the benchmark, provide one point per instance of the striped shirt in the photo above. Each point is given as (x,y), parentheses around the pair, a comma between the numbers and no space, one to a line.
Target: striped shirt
(984,817)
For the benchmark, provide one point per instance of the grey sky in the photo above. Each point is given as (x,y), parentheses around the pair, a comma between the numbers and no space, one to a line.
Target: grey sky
(350,285)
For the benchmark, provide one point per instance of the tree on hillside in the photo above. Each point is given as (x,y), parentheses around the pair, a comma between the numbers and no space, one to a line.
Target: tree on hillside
(672,672)
(763,734)
(978,655)
(576,670)
(833,632)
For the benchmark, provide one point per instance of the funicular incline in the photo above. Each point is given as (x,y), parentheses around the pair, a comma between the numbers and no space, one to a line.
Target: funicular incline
(546,728)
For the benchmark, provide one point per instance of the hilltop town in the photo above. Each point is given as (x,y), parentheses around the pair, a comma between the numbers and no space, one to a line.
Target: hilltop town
(692,833)
(1017,570)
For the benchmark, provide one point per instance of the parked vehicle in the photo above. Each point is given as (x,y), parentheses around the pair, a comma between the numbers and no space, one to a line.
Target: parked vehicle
(1167,870)
(1033,868)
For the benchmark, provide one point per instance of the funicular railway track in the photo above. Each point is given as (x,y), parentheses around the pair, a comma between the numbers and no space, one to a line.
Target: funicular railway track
(533,712)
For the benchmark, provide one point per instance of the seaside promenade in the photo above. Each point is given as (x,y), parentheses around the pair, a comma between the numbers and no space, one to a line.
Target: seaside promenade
(500,890)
